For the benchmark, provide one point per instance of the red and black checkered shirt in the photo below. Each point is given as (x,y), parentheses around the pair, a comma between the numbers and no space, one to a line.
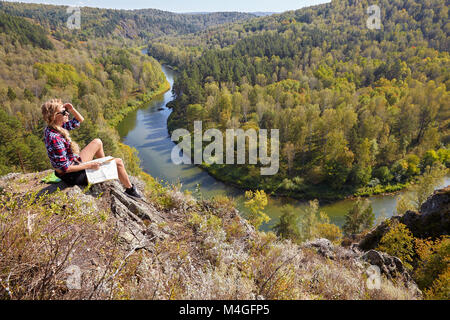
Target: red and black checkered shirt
(58,148)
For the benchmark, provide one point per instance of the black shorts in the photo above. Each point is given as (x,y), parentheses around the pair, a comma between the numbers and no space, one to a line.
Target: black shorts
(74,178)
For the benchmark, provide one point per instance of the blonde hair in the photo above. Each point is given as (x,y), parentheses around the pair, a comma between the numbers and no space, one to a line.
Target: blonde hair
(49,110)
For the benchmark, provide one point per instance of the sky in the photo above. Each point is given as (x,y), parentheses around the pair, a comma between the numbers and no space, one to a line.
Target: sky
(191,5)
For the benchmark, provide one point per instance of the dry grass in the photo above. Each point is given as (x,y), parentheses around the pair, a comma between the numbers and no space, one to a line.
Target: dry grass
(211,253)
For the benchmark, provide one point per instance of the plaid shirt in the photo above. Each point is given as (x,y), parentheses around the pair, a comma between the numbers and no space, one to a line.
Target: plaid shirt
(58,148)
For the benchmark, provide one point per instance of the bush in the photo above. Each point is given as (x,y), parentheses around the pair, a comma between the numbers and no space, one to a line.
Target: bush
(444,156)
(399,242)
(384,174)
(429,158)
(413,165)
(329,231)
(399,170)
(359,218)
(40,236)
(373,183)
(287,227)
(440,290)
(404,203)
(433,272)
(426,183)
(256,202)
(311,220)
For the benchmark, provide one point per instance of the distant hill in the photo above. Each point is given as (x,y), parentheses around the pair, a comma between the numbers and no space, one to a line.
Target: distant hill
(262,14)
(143,23)
(257,14)
(24,31)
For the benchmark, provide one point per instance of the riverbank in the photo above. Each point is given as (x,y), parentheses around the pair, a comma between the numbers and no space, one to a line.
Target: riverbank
(308,192)
(143,99)
(240,178)
(146,130)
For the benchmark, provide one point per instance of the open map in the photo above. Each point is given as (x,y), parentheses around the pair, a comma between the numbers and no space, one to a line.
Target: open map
(107,170)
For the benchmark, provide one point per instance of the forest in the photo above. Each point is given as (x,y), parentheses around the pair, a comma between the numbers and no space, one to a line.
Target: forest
(360,111)
(99,69)
(133,24)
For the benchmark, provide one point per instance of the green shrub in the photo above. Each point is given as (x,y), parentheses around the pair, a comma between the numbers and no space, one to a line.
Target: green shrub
(359,218)
(399,242)
(430,158)
(256,202)
(41,236)
(311,221)
(383,173)
(433,272)
(287,227)
(329,231)
(444,156)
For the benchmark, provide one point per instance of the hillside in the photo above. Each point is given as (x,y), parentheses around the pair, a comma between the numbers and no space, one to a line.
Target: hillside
(132,24)
(359,111)
(167,246)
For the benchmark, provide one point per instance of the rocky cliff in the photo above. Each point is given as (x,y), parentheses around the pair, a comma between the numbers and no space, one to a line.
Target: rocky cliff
(62,242)
(432,220)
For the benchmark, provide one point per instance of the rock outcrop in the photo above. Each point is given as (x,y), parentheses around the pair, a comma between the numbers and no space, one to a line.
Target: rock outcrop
(433,220)
(137,220)
(390,266)
(195,249)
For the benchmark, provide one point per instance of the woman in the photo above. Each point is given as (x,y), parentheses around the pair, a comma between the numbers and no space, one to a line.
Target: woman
(65,155)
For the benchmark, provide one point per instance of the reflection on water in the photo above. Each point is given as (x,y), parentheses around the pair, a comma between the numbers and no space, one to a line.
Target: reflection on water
(146,130)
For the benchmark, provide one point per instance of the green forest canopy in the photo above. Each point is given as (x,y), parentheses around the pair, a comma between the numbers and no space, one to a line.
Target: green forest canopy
(356,108)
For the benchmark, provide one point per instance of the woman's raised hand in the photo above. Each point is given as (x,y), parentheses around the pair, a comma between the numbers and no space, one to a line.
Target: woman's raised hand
(68,107)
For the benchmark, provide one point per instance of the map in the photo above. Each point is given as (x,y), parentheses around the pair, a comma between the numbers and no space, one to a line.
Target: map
(107,170)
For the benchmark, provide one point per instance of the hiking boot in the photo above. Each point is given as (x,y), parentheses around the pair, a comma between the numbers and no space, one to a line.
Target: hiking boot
(132,192)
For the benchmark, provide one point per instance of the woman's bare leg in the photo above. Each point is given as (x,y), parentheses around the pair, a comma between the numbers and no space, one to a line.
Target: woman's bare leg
(93,149)
(123,176)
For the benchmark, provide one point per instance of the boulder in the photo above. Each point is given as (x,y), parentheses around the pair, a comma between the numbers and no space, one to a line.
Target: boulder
(136,219)
(323,246)
(433,221)
(391,267)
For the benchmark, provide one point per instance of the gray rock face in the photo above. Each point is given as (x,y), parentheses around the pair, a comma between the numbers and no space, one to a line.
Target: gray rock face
(9,176)
(439,203)
(392,267)
(324,247)
(328,250)
(433,220)
(136,220)
(389,265)
(434,217)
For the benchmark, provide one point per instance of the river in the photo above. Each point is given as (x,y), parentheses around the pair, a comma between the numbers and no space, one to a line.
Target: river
(146,130)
